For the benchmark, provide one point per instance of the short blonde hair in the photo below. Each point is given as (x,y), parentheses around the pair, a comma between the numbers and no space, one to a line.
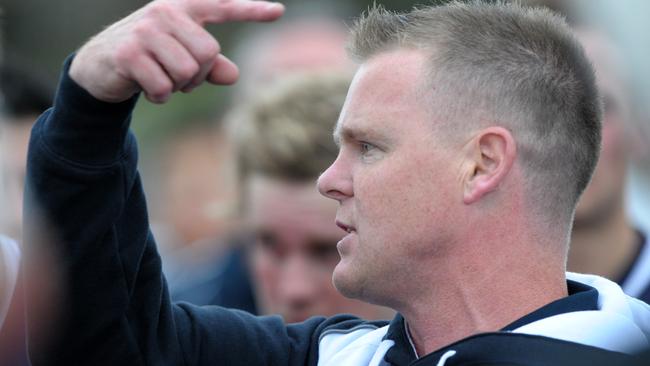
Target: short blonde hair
(285,131)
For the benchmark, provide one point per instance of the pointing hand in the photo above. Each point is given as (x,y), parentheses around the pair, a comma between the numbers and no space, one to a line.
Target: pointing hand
(162,48)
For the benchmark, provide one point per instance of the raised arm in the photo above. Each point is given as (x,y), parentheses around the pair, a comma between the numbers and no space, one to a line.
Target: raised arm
(83,183)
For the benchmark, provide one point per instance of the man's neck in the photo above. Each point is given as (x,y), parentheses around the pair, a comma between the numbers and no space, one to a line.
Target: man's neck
(481,301)
(605,248)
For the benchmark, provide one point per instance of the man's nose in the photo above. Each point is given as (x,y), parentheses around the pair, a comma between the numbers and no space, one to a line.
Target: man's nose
(336,181)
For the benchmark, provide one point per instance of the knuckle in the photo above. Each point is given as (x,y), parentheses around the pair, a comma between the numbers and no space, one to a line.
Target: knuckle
(161,89)
(188,70)
(144,28)
(126,54)
(225,10)
(160,10)
(207,51)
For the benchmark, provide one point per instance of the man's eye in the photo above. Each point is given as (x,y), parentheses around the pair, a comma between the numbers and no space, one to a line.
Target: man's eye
(368,152)
(366,147)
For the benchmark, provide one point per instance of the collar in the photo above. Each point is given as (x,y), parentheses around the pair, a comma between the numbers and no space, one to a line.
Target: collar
(581,297)
(403,352)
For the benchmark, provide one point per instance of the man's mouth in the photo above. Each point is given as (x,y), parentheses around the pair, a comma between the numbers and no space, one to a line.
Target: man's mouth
(347,228)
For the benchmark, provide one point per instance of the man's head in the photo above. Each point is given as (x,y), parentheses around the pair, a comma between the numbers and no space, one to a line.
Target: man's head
(466,114)
(283,142)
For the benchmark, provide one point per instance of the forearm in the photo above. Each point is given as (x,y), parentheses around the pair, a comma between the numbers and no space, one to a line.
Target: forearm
(116,307)
(82,184)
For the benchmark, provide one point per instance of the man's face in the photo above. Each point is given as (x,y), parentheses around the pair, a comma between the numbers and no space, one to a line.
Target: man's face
(295,251)
(396,184)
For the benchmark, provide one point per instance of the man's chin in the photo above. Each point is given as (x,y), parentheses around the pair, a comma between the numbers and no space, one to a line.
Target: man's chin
(344,282)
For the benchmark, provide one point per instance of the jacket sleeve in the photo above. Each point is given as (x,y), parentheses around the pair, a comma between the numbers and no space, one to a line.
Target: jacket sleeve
(84,188)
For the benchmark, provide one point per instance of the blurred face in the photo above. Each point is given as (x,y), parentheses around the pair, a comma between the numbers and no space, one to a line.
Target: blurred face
(295,251)
(394,182)
(605,194)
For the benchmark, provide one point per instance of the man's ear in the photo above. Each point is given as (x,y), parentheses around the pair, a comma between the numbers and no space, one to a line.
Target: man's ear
(491,155)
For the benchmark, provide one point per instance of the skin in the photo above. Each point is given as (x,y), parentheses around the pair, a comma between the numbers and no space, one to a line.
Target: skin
(407,198)
(163,48)
(604,240)
(435,222)
(198,189)
(374,149)
(295,252)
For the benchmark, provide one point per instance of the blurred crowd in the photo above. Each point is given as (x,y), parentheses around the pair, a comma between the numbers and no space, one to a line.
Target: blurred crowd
(233,202)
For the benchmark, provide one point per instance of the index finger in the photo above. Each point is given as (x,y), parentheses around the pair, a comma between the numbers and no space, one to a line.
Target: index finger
(220,11)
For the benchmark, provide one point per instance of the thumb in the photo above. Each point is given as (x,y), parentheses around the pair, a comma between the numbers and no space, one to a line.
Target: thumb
(223,72)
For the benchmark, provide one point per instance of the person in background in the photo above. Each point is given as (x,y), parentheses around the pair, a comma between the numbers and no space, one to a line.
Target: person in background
(604,240)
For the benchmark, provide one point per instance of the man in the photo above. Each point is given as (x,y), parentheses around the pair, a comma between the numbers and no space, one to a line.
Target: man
(604,240)
(466,138)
